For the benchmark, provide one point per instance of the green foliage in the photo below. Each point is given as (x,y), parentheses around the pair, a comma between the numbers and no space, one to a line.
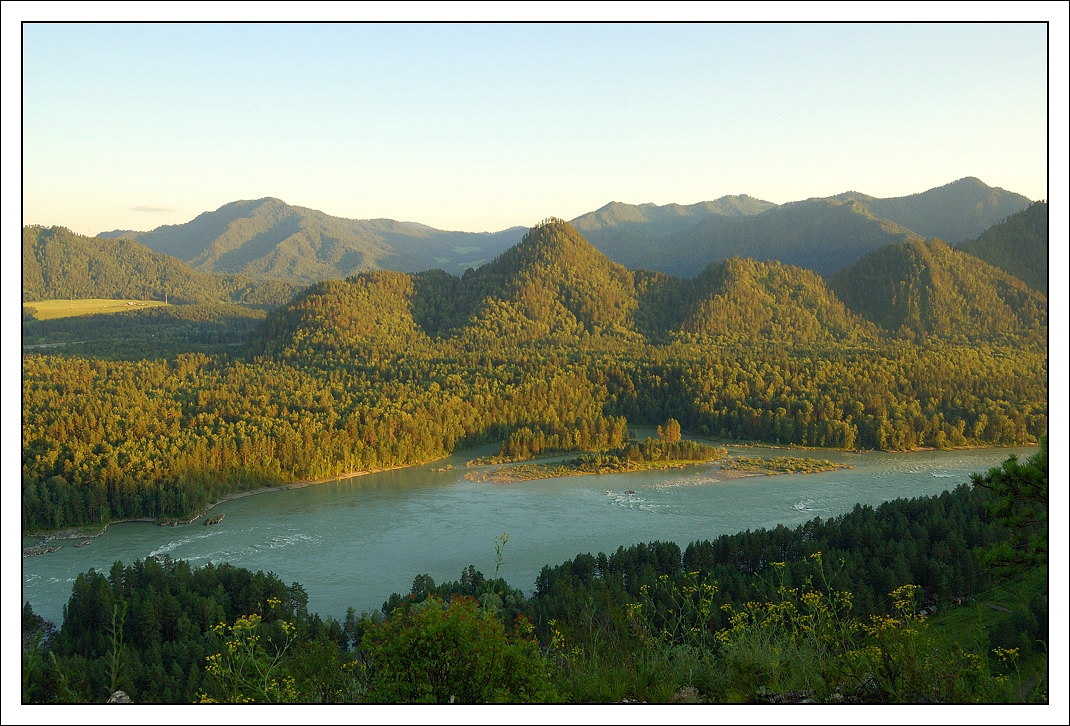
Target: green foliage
(246,670)
(151,332)
(779,464)
(435,652)
(150,627)
(1021,504)
(925,289)
(1018,245)
(59,264)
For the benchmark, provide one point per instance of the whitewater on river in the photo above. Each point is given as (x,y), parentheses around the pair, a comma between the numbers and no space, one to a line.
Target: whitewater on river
(355,541)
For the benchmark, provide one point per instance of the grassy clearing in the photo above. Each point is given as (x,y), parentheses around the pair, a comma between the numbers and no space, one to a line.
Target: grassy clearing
(52,309)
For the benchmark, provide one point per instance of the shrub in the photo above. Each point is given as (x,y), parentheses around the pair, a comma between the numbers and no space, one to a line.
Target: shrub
(436,652)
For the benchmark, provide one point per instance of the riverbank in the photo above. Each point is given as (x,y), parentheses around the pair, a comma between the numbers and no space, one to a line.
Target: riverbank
(87,533)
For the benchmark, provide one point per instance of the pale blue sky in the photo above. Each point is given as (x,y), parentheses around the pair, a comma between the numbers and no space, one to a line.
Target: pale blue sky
(481,127)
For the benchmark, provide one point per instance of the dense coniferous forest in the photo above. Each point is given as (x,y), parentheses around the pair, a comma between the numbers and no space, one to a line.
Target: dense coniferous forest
(1018,244)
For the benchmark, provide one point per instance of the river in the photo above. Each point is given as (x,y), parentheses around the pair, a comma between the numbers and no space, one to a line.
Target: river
(353,542)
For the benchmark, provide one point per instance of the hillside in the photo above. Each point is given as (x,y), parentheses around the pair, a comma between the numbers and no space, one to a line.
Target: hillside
(744,299)
(269,238)
(555,287)
(627,233)
(819,234)
(1018,245)
(58,263)
(957,211)
(927,288)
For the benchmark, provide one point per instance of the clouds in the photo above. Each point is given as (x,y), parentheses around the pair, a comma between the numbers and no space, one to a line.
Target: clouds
(153,210)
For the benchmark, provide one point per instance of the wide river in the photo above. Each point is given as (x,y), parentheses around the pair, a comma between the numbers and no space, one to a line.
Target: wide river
(354,542)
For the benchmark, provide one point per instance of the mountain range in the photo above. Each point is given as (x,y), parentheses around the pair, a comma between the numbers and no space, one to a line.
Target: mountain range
(58,263)
(554,286)
(809,271)
(269,238)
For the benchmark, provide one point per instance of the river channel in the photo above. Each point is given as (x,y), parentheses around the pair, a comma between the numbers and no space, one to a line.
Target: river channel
(353,542)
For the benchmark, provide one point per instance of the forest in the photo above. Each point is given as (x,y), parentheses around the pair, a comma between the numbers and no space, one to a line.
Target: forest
(866,607)
(551,346)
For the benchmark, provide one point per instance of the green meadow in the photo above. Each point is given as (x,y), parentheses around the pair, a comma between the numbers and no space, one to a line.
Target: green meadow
(51,309)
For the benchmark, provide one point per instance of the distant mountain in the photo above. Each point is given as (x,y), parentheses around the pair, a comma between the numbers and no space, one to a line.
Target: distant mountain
(269,238)
(954,212)
(58,263)
(628,233)
(927,288)
(823,235)
(1018,244)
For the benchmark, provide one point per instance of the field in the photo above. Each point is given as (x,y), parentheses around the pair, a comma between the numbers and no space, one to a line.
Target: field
(51,309)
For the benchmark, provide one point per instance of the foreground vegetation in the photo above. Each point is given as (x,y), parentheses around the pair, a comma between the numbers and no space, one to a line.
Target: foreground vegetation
(870,607)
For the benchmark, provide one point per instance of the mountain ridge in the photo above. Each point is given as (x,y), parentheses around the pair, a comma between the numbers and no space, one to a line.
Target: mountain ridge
(555,286)
(269,238)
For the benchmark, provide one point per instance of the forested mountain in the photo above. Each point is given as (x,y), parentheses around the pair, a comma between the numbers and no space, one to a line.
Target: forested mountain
(744,299)
(1018,244)
(819,234)
(556,287)
(628,233)
(269,238)
(927,288)
(57,264)
(954,212)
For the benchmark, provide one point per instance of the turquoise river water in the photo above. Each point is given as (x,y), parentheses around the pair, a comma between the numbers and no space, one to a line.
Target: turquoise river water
(353,542)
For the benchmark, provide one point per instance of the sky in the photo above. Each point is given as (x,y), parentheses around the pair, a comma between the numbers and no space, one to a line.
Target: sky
(479,127)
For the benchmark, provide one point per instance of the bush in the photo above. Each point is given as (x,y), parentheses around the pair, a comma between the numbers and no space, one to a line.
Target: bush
(436,652)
